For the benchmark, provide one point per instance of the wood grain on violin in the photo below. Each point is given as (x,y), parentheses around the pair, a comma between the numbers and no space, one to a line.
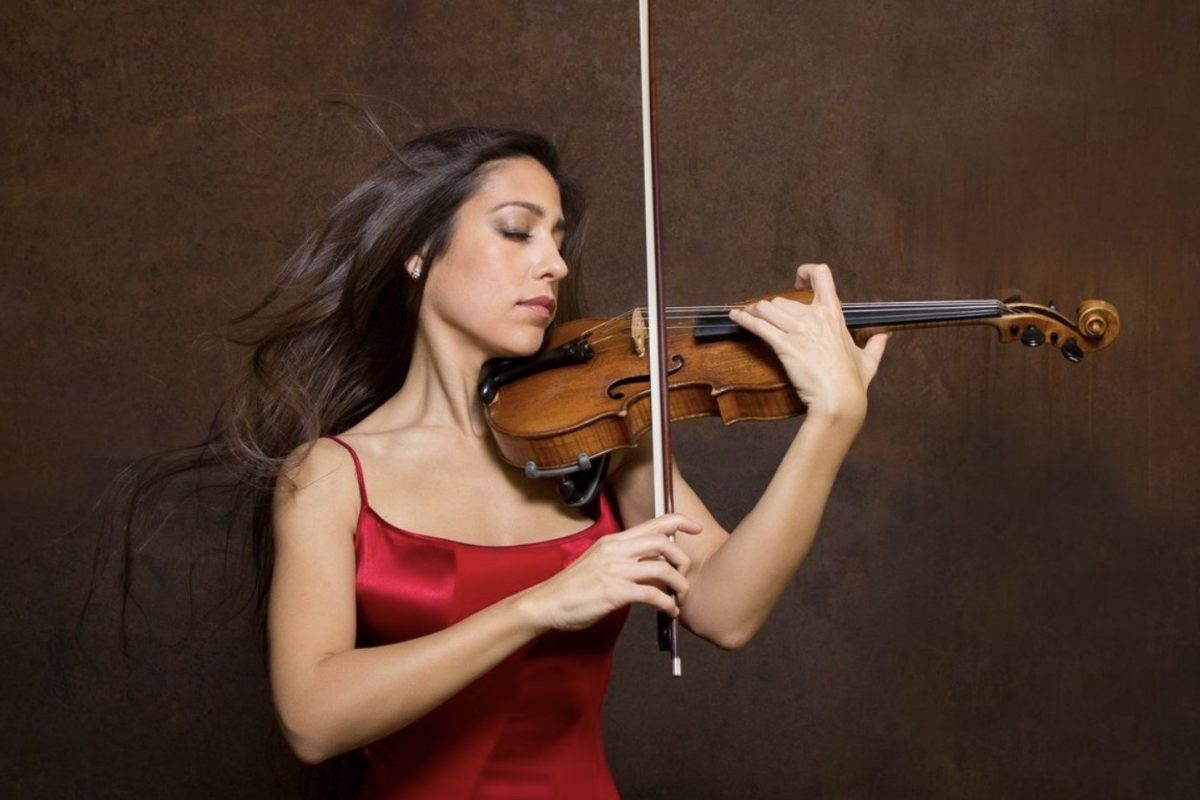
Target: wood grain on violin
(587,393)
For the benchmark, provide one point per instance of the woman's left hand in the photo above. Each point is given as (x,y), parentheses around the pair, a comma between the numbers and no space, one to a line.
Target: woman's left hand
(830,372)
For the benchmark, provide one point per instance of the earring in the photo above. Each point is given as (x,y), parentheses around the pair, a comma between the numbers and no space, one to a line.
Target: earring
(415,265)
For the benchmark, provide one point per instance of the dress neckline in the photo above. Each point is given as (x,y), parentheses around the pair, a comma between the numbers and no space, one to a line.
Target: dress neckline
(367,509)
(603,512)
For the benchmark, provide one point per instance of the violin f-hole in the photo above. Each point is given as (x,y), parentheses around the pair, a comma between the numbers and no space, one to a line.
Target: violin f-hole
(614,387)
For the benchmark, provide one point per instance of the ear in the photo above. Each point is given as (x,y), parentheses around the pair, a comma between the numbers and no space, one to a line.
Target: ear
(414,266)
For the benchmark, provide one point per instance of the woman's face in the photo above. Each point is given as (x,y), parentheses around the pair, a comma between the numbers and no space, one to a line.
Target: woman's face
(496,286)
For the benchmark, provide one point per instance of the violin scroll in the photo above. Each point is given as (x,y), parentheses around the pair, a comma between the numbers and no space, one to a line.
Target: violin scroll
(1098,319)
(1096,327)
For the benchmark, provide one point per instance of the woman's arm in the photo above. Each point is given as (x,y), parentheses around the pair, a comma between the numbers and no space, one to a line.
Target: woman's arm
(331,697)
(737,579)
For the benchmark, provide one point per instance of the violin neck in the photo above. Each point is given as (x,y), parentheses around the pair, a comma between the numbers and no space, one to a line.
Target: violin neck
(711,326)
(920,314)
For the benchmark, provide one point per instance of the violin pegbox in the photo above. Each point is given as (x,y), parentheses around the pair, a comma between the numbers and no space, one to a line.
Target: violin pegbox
(1096,327)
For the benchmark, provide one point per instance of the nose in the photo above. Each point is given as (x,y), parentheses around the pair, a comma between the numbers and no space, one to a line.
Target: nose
(552,266)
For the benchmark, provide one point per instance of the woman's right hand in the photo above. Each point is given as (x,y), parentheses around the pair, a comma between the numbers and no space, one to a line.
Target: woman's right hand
(639,565)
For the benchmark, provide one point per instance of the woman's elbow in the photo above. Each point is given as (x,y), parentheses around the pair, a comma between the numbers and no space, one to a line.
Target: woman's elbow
(308,742)
(308,757)
(306,748)
(732,640)
(726,638)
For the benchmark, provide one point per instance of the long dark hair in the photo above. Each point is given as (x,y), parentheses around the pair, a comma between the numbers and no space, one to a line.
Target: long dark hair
(333,339)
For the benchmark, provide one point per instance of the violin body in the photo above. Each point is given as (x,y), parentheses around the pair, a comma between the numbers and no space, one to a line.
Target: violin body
(551,417)
(555,408)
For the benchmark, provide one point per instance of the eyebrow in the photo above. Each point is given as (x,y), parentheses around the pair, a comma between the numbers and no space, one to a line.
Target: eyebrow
(561,225)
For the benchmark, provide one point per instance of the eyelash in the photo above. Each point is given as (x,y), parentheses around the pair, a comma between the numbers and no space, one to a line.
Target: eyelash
(519,236)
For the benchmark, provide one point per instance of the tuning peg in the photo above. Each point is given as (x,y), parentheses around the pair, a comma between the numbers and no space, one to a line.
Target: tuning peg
(1032,337)
(1071,351)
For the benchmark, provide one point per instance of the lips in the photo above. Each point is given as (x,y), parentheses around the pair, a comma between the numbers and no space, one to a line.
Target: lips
(542,306)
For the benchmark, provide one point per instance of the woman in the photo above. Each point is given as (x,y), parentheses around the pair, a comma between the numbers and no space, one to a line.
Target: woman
(428,602)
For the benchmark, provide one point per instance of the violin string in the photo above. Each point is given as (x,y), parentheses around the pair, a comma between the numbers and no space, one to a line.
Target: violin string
(884,312)
(915,311)
(845,306)
(860,311)
(608,322)
(908,305)
(624,319)
(895,313)
(897,321)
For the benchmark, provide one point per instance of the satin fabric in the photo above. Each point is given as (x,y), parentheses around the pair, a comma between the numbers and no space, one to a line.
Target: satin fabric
(529,728)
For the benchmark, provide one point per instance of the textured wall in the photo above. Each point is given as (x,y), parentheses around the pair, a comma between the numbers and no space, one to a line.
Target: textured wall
(1004,600)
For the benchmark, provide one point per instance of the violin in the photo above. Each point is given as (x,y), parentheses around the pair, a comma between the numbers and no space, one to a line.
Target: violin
(599,385)
(590,391)
(587,394)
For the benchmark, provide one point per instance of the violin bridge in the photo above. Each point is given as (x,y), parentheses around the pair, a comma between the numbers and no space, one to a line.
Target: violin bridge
(638,332)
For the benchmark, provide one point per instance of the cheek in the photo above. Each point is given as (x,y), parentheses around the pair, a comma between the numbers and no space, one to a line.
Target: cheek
(466,293)
(487,278)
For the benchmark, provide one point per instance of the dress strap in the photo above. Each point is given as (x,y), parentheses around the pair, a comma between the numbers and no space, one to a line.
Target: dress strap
(358,470)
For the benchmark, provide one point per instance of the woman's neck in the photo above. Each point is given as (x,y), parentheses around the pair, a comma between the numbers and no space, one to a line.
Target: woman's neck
(440,389)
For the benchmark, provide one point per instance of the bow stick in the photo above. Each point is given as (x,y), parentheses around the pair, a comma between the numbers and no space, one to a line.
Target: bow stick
(660,418)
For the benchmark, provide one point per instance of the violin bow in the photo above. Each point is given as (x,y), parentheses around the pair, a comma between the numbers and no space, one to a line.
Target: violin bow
(660,417)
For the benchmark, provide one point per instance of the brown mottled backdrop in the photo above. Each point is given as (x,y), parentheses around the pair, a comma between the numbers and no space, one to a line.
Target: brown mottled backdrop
(1004,598)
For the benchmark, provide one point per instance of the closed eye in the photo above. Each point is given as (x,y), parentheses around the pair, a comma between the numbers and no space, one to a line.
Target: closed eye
(520,236)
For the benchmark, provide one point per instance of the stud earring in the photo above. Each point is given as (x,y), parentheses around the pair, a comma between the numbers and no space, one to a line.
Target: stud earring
(415,265)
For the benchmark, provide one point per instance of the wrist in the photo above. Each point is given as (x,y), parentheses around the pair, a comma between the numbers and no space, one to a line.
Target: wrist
(845,416)
(530,610)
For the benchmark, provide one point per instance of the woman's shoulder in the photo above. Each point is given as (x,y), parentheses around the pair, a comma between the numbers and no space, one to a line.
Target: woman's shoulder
(320,473)
(313,460)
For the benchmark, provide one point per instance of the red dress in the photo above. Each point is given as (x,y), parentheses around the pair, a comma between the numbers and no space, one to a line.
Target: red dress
(529,728)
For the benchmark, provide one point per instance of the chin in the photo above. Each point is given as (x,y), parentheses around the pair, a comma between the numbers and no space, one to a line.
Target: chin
(519,346)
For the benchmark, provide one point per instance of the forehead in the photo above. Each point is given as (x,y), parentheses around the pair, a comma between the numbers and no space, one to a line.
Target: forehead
(518,179)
